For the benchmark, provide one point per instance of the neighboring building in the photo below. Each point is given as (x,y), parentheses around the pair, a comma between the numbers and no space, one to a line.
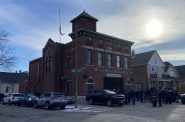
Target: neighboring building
(170,72)
(181,79)
(149,71)
(101,60)
(10,82)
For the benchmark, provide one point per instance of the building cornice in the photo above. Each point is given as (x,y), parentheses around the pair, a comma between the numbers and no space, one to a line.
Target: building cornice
(101,36)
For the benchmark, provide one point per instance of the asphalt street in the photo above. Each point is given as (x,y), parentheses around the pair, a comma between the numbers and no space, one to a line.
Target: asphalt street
(141,112)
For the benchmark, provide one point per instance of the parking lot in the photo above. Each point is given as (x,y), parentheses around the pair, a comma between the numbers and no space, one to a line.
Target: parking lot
(141,112)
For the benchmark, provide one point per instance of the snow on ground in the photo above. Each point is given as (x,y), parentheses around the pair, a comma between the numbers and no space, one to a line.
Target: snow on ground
(143,112)
(80,109)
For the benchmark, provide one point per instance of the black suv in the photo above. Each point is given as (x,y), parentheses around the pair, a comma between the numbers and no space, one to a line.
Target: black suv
(1,97)
(182,98)
(106,97)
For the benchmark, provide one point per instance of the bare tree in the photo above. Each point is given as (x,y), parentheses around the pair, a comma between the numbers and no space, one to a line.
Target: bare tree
(7,58)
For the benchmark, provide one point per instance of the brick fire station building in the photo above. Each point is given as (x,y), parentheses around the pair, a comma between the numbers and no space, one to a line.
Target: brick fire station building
(100,60)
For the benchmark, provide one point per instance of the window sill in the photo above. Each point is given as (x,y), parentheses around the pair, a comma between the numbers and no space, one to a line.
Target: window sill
(118,68)
(110,67)
(89,65)
(100,66)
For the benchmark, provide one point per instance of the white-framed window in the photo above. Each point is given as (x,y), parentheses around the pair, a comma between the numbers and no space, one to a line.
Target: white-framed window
(100,58)
(118,61)
(48,66)
(109,60)
(126,63)
(89,57)
(69,62)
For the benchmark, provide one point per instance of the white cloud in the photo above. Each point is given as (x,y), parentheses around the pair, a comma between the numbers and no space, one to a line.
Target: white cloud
(121,18)
(173,56)
(130,23)
(37,38)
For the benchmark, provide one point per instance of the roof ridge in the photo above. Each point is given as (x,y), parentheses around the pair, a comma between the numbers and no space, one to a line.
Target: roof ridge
(145,52)
(84,14)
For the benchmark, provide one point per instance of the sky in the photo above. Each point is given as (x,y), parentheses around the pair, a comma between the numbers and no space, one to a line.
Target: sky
(30,23)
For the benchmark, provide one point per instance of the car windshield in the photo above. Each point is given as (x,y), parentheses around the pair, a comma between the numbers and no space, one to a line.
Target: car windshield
(109,92)
(18,95)
(32,96)
(57,94)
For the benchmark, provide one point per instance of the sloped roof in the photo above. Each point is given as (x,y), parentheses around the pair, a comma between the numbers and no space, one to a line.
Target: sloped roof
(86,15)
(13,77)
(167,65)
(181,71)
(143,58)
(50,42)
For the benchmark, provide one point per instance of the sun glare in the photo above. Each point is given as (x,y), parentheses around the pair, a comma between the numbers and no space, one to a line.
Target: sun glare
(154,28)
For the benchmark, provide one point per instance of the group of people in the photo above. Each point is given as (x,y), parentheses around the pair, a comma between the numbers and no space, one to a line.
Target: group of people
(155,96)
(165,96)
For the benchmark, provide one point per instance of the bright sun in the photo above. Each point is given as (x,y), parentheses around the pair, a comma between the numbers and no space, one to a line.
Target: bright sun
(154,28)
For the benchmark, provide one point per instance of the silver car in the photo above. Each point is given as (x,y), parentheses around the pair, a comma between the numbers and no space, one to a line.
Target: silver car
(51,100)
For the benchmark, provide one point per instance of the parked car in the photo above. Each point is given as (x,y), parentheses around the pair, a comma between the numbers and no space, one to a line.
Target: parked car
(12,98)
(70,99)
(51,100)
(182,97)
(28,101)
(1,97)
(106,97)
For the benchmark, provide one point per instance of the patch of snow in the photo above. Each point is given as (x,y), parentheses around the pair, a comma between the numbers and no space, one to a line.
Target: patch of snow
(80,109)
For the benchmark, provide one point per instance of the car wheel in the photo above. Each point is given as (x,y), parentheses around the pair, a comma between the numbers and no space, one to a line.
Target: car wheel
(3,102)
(18,104)
(9,103)
(183,102)
(109,103)
(62,107)
(91,101)
(47,105)
(121,104)
(35,105)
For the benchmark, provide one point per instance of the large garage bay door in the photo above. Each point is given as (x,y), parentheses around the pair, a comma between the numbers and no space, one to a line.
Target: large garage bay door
(113,83)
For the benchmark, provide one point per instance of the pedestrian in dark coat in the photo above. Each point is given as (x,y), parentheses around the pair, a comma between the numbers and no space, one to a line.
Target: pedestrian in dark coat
(160,98)
(154,97)
(133,96)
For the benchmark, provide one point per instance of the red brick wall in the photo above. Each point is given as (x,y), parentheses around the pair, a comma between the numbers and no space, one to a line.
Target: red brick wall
(84,23)
(140,75)
(23,87)
(96,72)
(35,84)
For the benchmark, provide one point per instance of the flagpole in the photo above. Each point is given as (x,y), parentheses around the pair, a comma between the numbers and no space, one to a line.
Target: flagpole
(59,27)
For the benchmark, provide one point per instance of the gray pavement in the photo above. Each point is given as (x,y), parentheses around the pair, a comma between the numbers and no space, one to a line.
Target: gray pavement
(141,112)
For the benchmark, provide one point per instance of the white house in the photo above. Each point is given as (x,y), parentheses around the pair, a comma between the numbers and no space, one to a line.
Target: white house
(149,71)
(10,82)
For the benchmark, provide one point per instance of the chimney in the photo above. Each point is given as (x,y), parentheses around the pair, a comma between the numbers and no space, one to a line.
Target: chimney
(19,71)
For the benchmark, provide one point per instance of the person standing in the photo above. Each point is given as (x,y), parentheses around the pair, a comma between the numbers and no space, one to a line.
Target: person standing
(160,98)
(154,97)
(133,95)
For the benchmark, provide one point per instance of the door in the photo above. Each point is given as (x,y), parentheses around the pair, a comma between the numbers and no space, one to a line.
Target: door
(112,83)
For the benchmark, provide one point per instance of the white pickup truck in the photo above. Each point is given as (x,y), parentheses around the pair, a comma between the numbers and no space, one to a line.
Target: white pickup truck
(12,98)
